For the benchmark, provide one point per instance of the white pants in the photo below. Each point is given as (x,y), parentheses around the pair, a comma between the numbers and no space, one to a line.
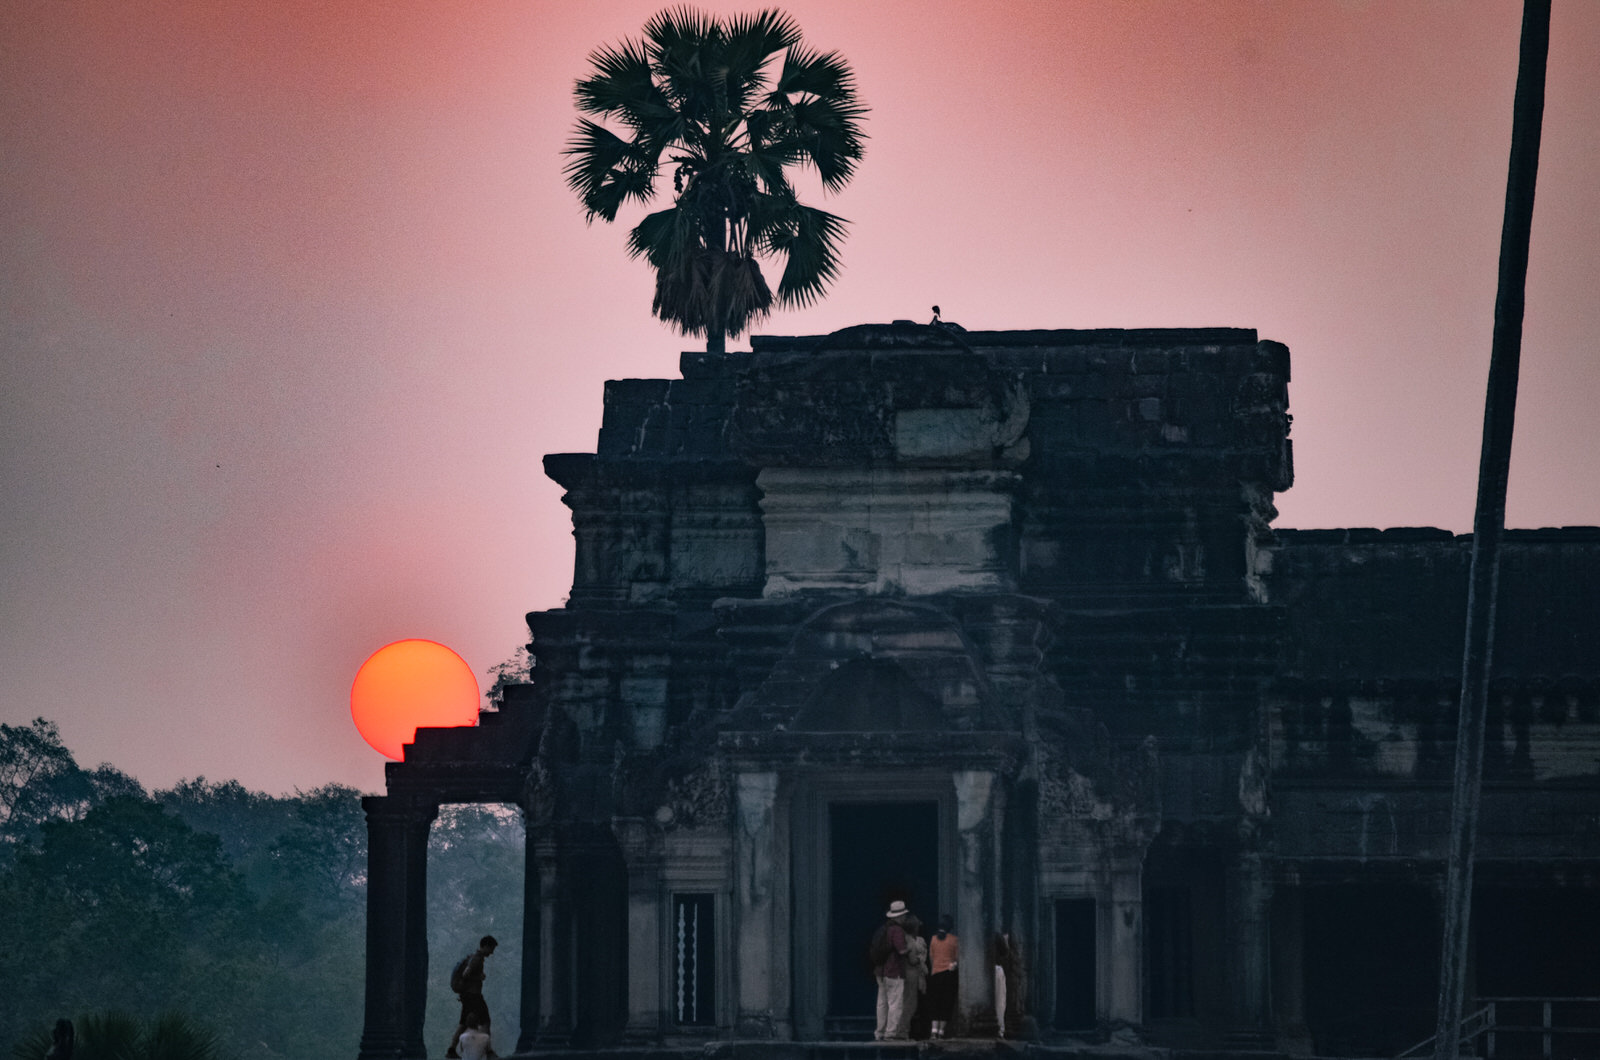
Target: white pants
(1000,998)
(891,1005)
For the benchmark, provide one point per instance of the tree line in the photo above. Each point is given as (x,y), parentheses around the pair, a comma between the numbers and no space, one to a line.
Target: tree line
(239,912)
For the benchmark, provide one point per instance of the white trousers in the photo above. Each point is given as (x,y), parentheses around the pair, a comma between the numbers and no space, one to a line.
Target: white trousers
(891,1005)
(1000,998)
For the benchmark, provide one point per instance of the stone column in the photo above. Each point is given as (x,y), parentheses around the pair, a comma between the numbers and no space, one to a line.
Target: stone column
(642,853)
(761,1012)
(397,925)
(976,892)
(1288,971)
(532,987)
(1248,904)
(555,945)
(1124,964)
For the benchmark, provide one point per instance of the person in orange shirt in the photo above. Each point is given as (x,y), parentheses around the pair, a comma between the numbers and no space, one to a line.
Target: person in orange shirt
(943,949)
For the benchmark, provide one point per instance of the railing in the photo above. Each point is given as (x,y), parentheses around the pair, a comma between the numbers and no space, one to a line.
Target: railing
(1562,1027)
(1472,1026)
(1506,1026)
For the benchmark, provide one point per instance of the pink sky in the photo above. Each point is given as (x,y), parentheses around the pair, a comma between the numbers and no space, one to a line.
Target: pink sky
(295,298)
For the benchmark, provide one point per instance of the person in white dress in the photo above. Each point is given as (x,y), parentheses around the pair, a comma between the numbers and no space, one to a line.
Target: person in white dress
(474,1044)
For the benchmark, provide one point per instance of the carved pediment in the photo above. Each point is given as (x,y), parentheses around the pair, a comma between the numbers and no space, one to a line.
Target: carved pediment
(877,665)
(869,695)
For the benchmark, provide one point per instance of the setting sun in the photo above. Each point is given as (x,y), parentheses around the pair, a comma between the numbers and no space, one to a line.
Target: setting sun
(408,685)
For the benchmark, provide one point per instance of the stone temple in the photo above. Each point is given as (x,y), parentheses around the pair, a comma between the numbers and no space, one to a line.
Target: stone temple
(997,623)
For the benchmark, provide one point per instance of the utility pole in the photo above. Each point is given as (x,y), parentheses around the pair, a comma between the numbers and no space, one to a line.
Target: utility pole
(1489,520)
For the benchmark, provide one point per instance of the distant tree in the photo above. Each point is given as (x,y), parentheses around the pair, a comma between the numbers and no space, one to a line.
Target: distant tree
(247,822)
(254,921)
(513,671)
(110,911)
(40,781)
(711,96)
(324,848)
(34,764)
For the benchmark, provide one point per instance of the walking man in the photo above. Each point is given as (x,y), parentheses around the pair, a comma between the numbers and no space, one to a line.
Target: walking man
(888,953)
(467,980)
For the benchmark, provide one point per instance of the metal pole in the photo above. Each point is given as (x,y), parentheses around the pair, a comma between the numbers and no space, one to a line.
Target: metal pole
(1489,519)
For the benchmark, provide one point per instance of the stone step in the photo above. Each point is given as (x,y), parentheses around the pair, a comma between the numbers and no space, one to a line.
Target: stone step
(946,1049)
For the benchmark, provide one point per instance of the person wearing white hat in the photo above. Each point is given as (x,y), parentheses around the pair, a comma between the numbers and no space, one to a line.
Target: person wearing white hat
(888,951)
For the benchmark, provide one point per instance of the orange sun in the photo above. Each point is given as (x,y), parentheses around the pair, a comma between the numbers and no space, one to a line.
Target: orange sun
(408,685)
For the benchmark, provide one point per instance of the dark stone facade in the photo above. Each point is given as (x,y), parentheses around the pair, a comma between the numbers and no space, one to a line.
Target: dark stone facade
(997,622)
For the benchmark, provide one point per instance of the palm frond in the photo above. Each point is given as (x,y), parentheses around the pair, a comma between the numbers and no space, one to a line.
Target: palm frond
(814,73)
(829,136)
(621,80)
(741,292)
(816,91)
(751,41)
(107,1036)
(809,243)
(607,170)
(667,238)
(174,1036)
(767,32)
(679,27)
(32,1046)
(711,286)
(683,46)
(766,163)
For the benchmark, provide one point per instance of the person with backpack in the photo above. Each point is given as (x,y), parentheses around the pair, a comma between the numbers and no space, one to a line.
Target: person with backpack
(466,979)
(916,974)
(887,953)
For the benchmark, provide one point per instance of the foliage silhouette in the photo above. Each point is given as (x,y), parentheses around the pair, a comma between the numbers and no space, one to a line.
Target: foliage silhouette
(709,100)
(210,899)
(40,781)
(117,902)
(119,1036)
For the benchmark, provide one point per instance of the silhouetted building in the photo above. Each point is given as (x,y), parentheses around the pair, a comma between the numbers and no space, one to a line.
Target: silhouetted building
(997,623)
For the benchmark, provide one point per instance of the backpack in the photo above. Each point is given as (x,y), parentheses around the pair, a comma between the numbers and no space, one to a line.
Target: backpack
(917,954)
(878,949)
(458,974)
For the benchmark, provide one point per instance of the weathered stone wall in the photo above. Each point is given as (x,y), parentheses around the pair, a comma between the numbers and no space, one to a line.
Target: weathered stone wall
(1363,719)
(1375,624)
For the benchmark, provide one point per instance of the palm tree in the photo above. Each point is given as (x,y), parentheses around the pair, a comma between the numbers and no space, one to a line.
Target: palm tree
(1489,519)
(708,100)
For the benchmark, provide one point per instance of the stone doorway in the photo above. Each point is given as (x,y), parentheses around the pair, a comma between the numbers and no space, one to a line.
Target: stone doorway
(879,852)
(861,839)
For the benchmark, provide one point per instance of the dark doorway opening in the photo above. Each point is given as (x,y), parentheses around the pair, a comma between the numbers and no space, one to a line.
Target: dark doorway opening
(1075,964)
(879,852)
(1539,944)
(1371,967)
(1169,952)
(599,903)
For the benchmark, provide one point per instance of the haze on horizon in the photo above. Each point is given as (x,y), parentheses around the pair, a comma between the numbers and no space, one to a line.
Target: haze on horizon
(296,298)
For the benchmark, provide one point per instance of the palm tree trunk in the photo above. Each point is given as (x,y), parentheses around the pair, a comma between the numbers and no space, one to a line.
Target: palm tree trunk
(717,329)
(1489,520)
